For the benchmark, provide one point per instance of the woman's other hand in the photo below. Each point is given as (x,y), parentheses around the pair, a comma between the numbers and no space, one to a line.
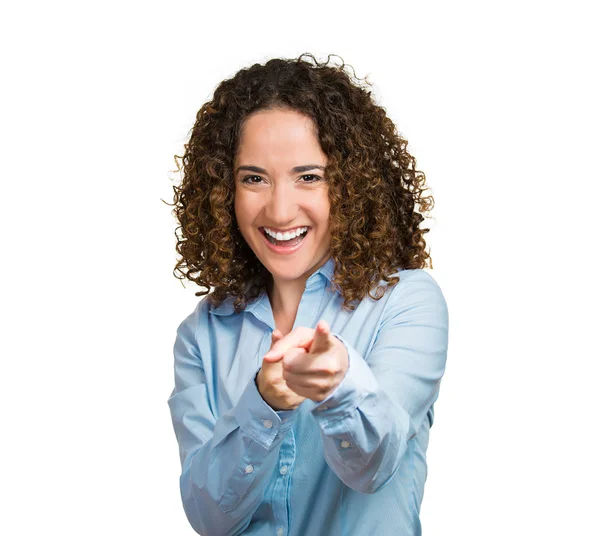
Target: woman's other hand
(270,383)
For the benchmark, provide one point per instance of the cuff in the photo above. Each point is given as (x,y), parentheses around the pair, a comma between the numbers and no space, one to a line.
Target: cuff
(358,382)
(259,420)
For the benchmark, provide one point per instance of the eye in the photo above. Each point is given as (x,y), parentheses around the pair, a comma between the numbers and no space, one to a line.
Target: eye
(246,179)
(315,177)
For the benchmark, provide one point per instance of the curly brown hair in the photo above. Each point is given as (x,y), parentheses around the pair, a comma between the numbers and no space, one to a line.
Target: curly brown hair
(374,222)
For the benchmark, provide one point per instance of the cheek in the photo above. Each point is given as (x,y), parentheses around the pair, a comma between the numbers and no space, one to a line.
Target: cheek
(322,209)
(241,207)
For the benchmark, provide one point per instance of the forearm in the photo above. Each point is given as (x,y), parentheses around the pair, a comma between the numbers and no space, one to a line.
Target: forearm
(366,447)
(365,433)
(359,435)
(223,480)
(222,485)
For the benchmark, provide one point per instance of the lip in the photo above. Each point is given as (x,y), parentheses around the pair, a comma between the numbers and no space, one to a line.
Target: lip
(284,250)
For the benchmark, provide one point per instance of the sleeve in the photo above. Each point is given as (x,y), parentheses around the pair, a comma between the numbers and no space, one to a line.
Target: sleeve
(226,461)
(383,400)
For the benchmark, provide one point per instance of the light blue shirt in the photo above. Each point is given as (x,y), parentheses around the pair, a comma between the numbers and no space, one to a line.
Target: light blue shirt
(353,464)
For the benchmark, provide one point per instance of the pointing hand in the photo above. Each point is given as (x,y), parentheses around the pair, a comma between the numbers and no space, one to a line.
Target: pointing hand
(313,366)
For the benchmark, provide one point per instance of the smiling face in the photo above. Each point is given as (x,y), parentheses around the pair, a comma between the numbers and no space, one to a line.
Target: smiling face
(280,185)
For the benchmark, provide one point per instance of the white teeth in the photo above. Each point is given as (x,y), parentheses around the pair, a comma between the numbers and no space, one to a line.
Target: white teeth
(287,235)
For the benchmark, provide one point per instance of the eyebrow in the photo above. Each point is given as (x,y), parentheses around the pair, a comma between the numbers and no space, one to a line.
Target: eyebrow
(297,169)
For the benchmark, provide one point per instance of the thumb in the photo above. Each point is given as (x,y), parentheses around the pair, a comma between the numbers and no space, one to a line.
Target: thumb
(276,335)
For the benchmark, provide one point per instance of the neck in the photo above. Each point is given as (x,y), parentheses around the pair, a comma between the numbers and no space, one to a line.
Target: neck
(285,295)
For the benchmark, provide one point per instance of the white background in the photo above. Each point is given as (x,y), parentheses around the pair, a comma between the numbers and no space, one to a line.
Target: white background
(499,102)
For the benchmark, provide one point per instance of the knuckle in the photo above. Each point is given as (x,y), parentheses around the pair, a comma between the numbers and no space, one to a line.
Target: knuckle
(320,396)
(281,392)
(274,380)
(328,370)
(324,388)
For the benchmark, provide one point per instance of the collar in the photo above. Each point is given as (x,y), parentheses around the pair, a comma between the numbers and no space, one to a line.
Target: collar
(316,279)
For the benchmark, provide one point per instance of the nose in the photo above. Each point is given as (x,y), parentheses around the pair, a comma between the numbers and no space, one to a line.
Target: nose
(281,208)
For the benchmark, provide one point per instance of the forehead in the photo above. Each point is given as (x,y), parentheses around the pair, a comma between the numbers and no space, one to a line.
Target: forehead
(279,135)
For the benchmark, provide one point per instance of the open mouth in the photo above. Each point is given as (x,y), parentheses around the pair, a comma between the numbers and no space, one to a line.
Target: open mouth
(285,243)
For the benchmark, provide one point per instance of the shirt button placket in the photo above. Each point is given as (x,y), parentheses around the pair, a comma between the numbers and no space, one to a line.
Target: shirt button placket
(281,486)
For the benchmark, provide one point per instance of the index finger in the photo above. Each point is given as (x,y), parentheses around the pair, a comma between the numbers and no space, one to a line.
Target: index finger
(320,342)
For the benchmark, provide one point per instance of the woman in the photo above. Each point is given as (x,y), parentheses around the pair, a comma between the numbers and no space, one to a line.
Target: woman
(305,381)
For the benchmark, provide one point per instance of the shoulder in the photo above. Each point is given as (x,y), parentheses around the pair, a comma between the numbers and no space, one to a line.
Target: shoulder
(189,325)
(415,280)
(417,292)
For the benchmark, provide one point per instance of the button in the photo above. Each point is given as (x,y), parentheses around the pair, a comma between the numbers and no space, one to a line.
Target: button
(279,531)
(283,470)
(267,424)
(249,469)
(344,444)
(321,408)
